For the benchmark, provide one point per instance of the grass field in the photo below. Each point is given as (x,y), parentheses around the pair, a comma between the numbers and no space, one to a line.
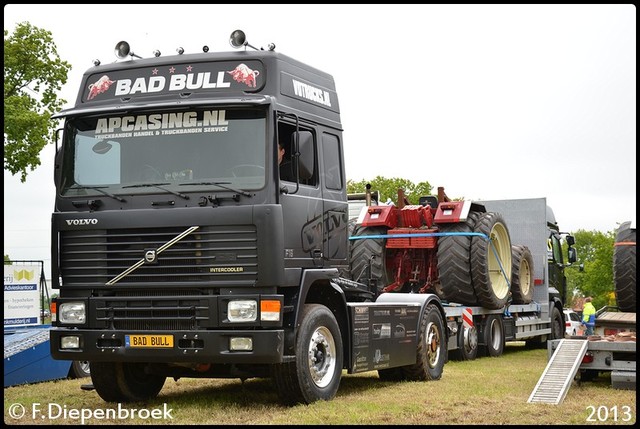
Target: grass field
(487,391)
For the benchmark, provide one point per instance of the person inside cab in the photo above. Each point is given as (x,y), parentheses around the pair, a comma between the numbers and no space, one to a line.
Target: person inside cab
(285,165)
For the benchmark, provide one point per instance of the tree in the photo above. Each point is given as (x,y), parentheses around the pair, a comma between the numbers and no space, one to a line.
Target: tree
(33,74)
(388,188)
(595,251)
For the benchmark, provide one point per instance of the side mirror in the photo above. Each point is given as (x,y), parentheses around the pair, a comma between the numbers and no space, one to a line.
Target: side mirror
(573,255)
(570,240)
(306,158)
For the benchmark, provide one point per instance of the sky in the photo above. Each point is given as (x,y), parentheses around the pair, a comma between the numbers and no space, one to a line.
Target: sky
(488,101)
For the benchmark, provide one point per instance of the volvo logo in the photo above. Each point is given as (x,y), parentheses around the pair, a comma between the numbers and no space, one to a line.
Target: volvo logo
(151,256)
(77,222)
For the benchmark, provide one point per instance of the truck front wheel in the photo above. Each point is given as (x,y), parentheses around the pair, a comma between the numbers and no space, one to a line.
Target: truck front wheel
(557,327)
(315,373)
(125,381)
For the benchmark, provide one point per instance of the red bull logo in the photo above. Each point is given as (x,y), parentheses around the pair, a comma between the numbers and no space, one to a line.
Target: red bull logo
(101,85)
(244,74)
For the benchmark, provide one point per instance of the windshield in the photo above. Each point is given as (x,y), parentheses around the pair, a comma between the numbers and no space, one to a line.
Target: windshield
(181,150)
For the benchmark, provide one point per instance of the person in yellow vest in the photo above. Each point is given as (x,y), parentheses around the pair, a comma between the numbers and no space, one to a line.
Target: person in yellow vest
(588,316)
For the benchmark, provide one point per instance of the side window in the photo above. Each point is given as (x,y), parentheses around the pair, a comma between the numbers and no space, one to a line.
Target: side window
(287,167)
(331,156)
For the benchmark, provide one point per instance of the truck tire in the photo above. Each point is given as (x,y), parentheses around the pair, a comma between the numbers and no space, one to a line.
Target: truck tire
(557,324)
(488,260)
(454,261)
(315,373)
(467,344)
(494,335)
(521,274)
(369,249)
(431,353)
(624,267)
(79,369)
(125,381)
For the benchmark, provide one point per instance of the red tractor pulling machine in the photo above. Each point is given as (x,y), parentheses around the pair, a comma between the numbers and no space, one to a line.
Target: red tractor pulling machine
(492,291)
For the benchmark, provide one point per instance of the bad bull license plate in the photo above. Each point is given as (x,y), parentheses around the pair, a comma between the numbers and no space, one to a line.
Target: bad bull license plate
(148,341)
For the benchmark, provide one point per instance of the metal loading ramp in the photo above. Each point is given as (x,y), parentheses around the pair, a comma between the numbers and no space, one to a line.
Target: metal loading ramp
(559,373)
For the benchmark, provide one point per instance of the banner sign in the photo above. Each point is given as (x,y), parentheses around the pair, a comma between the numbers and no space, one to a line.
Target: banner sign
(21,295)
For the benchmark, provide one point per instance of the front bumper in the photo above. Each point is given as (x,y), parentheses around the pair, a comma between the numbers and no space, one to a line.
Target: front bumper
(173,346)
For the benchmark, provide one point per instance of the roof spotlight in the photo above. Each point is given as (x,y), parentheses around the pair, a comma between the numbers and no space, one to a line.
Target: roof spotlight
(180,50)
(123,50)
(205,48)
(156,53)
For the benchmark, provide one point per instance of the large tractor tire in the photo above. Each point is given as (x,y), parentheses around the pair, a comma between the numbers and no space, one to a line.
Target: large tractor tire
(315,373)
(491,260)
(454,261)
(624,267)
(351,229)
(521,274)
(369,251)
(125,381)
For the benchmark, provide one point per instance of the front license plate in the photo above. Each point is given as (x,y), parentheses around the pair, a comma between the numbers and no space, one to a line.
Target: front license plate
(148,341)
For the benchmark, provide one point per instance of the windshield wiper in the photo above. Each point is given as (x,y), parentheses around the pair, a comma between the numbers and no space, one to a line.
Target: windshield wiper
(99,189)
(222,185)
(159,186)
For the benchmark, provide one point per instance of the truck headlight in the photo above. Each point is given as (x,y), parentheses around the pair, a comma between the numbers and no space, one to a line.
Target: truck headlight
(242,311)
(72,312)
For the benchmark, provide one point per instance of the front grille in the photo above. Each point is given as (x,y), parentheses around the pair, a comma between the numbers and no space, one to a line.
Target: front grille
(209,256)
(158,313)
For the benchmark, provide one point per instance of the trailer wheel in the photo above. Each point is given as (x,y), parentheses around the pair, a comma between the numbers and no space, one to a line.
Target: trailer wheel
(315,373)
(624,267)
(454,261)
(369,250)
(488,260)
(431,352)
(125,381)
(467,344)
(521,274)
(494,336)
(79,369)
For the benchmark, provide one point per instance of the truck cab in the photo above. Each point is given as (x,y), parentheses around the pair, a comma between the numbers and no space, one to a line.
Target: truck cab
(182,247)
